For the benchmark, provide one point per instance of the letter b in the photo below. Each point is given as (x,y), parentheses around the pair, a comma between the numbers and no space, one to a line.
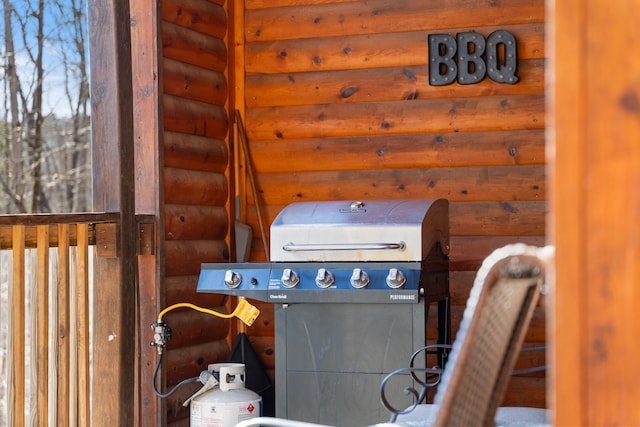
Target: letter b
(471,67)
(442,67)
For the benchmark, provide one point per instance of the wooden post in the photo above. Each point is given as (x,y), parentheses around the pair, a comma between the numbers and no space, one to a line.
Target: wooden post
(149,162)
(115,293)
(594,160)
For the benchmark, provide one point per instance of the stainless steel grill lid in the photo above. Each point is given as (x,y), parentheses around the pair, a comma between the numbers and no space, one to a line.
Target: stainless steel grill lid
(377,230)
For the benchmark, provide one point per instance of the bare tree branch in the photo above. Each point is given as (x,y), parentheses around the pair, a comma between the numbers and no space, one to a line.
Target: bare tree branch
(46,157)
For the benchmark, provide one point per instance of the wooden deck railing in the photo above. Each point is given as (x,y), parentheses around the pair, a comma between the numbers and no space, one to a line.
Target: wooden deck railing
(47,355)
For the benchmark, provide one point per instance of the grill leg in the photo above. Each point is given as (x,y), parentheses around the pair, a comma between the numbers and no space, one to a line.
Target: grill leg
(437,357)
(444,329)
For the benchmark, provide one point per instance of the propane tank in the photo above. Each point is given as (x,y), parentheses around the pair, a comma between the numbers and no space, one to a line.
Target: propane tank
(228,402)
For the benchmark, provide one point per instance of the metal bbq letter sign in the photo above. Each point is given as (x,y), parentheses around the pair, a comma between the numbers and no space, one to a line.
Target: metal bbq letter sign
(468,58)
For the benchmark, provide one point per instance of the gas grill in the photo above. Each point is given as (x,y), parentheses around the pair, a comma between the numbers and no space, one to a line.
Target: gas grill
(351,283)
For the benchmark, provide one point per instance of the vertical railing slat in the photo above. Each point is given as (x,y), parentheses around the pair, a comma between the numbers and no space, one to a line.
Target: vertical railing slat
(73,338)
(42,330)
(31,333)
(83,325)
(17,338)
(61,417)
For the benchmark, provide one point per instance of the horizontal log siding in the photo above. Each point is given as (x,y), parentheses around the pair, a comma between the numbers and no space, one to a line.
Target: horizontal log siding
(371,85)
(338,106)
(196,189)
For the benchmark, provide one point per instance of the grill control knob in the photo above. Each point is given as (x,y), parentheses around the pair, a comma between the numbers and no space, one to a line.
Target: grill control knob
(324,278)
(289,278)
(396,278)
(359,278)
(232,279)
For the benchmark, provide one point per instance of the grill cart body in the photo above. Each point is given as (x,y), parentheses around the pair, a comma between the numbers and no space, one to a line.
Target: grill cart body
(351,283)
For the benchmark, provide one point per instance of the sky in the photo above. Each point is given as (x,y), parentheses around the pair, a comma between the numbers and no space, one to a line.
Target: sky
(58,30)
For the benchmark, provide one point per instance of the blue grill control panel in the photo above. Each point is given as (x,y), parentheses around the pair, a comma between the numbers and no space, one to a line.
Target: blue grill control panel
(315,282)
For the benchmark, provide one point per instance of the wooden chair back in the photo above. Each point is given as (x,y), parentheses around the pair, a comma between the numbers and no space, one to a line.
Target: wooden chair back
(491,333)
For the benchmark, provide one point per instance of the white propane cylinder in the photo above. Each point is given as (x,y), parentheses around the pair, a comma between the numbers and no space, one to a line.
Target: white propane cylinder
(228,403)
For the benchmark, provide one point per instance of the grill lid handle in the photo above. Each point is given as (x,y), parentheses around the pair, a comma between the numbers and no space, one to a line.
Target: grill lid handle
(297,247)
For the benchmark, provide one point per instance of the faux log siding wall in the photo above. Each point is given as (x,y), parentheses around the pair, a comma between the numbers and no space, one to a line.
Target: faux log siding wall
(338,106)
(194,59)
